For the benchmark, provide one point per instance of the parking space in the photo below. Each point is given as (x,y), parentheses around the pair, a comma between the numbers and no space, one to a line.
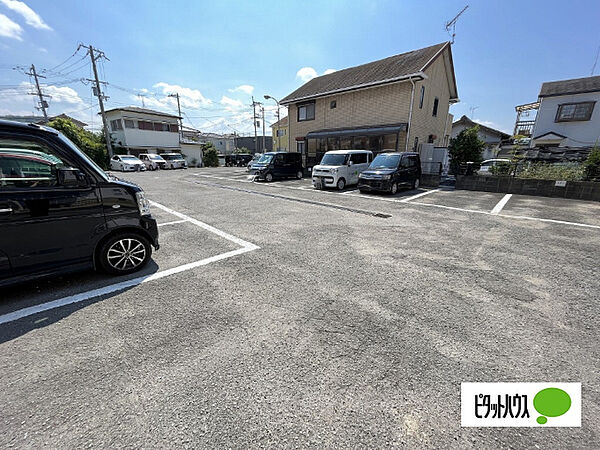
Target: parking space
(333,318)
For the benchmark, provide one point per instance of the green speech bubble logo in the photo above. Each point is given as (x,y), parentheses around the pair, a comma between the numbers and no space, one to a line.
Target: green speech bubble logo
(552,402)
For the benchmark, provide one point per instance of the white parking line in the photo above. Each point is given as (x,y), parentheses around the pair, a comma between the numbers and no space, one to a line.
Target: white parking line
(172,223)
(501,204)
(405,200)
(245,247)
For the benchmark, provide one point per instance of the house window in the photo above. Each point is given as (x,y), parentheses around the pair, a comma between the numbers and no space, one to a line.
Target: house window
(159,126)
(116,125)
(572,112)
(416,146)
(306,112)
(422,97)
(300,147)
(333,104)
(174,128)
(430,139)
(145,125)
(435,106)
(129,123)
(280,133)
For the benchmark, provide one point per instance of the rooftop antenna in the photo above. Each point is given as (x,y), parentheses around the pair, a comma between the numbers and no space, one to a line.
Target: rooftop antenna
(452,24)
(472,109)
(595,61)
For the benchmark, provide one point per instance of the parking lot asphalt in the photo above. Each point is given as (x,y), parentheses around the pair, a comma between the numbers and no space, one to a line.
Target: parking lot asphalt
(278,316)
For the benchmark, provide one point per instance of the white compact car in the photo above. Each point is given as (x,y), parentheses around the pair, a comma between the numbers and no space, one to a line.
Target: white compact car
(485,167)
(152,161)
(340,168)
(126,163)
(174,161)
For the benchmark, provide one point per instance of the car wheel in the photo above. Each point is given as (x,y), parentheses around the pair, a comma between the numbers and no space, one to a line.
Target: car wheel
(125,253)
(416,184)
(299,175)
(362,191)
(269,177)
(341,184)
(394,188)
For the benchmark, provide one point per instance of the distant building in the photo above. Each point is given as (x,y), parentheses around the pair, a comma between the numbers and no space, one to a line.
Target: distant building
(492,138)
(41,120)
(280,132)
(224,143)
(248,142)
(566,114)
(398,103)
(140,130)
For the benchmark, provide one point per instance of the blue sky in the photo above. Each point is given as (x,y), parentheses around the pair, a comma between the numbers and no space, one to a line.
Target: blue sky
(216,54)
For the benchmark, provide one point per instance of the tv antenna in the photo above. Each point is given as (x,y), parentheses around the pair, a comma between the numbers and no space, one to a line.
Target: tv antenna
(595,61)
(473,109)
(451,25)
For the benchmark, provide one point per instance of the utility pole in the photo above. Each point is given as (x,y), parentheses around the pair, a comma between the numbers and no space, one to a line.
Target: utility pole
(263,121)
(92,52)
(176,95)
(43,103)
(254,121)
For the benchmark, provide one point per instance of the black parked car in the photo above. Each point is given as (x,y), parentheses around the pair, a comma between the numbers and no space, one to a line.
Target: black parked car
(388,171)
(237,159)
(60,212)
(273,165)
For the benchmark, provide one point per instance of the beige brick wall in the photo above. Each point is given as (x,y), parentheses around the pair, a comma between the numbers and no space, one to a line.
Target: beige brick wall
(376,106)
(383,105)
(423,122)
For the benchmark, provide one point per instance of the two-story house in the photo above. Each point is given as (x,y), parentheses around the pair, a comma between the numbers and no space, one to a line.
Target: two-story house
(280,132)
(567,114)
(140,130)
(492,138)
(394,104)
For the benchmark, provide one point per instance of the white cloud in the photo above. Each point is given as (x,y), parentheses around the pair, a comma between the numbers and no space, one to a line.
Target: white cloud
(31,17)
(189,98)
(231,104)
(306,74)
(245,88)
(10,29)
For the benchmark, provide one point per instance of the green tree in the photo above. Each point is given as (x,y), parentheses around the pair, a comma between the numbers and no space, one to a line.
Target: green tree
(210,155)
(92,144)
(592,165)
(466,147)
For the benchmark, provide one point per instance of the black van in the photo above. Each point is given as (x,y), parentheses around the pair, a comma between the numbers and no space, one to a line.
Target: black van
(278,165)
(60,212)
(388,171)
(237,159)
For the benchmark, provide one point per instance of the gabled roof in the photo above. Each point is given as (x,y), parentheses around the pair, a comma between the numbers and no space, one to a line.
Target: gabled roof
(387,70)
(558,135)
(464,120)
(281,123)
(144,111)
(568,87)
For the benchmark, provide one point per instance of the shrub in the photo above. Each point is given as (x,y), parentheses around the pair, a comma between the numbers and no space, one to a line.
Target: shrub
(592,165)
(211,157)
(92,144)
(543,171)
(466,147)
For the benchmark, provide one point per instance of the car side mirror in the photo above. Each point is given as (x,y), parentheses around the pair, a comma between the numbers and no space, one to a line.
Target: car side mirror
(350,163)
(71,177)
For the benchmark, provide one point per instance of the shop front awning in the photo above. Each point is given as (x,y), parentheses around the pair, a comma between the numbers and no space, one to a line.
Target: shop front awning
(358,131)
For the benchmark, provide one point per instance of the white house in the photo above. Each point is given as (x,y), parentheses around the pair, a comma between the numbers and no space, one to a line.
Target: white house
(141,130)
(567,114)
(490,136)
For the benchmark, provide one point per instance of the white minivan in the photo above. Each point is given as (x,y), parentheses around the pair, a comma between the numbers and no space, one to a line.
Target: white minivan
(340,168)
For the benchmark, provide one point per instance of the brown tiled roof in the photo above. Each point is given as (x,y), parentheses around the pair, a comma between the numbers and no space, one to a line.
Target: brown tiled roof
(373,73)
(567,87)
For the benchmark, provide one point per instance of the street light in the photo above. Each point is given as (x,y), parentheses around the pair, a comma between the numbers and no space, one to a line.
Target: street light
(267,97)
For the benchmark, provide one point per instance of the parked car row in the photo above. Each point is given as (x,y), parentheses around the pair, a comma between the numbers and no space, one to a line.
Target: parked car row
(147,161)
(386,172)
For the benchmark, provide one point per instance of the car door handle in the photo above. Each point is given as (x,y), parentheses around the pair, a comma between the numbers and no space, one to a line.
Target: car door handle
(6,210)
